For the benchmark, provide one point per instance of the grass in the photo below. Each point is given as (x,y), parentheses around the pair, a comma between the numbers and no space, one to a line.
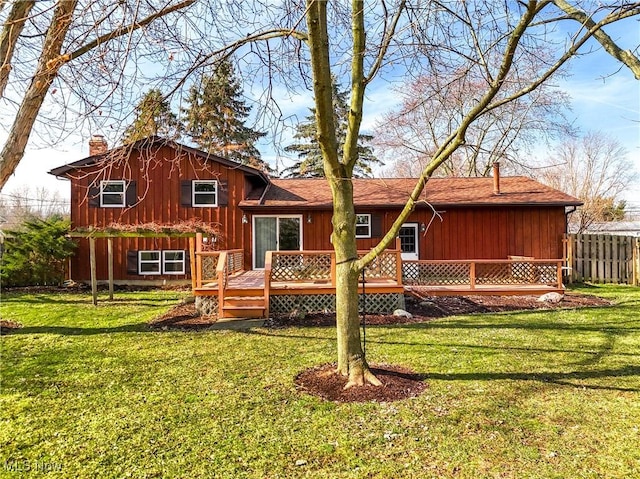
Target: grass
(92,392)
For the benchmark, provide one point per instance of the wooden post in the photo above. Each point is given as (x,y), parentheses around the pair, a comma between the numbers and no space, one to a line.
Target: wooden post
(192,261)
(267,282)
(559,274)
(92,264)
(110,266)
(636,262)
(221,271)
(199,260)
(399,267)
(472,275)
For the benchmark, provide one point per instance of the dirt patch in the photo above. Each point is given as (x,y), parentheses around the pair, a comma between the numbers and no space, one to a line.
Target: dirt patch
(397,383)
(8,326)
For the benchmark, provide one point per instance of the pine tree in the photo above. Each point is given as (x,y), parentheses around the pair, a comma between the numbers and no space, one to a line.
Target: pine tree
(153,117)
(215,118)
(308,149)
(36,252)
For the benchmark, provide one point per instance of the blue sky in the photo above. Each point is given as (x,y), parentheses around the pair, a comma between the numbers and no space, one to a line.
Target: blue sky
(605,98)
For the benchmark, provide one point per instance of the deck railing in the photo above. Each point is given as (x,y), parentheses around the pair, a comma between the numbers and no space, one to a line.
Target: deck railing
(320,266)
(547,272)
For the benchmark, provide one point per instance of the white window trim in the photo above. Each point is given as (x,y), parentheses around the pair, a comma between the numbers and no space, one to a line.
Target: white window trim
(194,193)
(165,261)
(141,262)
(104,183)
(368,225)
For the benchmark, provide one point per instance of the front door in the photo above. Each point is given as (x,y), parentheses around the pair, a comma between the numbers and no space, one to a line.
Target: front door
(409,242)
(275,233)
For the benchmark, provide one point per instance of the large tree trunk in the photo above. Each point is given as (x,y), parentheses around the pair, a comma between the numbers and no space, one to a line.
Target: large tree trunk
(47,69)
(351,360)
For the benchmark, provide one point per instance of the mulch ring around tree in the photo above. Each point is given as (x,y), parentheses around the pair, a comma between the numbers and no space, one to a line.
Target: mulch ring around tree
(397,383)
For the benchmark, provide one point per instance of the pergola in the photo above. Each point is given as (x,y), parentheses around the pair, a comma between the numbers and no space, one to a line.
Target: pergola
(140,231)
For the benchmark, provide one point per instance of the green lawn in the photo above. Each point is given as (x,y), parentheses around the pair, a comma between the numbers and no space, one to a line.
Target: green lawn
(92,392)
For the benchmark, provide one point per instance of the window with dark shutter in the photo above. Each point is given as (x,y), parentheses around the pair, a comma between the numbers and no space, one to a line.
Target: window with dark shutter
(94,197)
(131,195)
(376,226)
(132,262)
(185,193)
(223,193)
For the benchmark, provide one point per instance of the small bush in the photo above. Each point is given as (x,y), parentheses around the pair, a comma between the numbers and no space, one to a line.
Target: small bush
(36,253)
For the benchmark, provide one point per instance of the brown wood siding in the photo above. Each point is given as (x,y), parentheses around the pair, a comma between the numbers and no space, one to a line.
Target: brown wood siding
(157,174)
(463,233)
(494,233)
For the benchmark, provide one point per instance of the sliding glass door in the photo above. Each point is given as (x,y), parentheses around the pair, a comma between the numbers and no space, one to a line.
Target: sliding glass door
(275,233)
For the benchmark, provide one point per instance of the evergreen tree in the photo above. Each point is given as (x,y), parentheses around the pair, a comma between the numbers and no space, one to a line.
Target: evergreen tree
(308,151)
(36,253)
(153,117)
(215,118)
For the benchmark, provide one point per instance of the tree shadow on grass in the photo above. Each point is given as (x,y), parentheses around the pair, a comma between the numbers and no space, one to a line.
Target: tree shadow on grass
(80,331)
(559,378)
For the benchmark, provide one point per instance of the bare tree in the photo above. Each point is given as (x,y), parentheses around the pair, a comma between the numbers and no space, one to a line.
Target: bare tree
(433,106)
(82,46)
(28,202)
(595,169)
(295,44)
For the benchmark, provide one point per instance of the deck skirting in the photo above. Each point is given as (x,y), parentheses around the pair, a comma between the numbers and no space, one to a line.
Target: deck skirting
(375,303)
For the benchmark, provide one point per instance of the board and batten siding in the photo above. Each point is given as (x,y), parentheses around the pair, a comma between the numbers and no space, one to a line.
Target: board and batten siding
(493,233)
(460,233)
(158,193)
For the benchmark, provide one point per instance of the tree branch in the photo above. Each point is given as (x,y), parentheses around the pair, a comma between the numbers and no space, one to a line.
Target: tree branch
(11,31)
(625,57)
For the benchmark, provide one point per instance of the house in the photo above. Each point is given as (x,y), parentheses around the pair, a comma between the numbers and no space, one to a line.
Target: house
(163,183)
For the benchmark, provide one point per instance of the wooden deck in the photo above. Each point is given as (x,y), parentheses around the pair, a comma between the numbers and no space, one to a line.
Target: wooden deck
(241,293)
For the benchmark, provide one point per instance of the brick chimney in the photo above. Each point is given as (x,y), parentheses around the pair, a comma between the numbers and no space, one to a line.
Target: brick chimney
(97,145)
(496,177)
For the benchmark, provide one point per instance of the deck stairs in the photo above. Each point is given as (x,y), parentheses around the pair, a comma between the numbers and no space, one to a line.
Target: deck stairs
(244,303)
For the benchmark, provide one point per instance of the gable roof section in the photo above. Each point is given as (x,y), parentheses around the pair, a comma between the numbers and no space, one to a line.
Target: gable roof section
(394,192)
(156,141)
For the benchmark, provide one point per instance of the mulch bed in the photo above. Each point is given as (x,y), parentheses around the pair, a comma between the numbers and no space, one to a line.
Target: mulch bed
(427,308)
(397,383)
(422,308)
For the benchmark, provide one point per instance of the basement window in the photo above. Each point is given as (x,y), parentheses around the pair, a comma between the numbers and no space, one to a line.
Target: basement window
(204,193)
(363,226)
(173,262)
(149,262)
(112,193)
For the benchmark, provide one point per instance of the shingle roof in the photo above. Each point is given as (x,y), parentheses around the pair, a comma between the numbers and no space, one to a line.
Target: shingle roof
(394,192)
(154,141)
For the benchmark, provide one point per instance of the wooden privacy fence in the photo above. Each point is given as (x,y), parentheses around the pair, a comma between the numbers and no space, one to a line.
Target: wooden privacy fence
(602,258)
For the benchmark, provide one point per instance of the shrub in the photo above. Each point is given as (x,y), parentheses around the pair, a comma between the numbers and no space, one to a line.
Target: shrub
(36,253)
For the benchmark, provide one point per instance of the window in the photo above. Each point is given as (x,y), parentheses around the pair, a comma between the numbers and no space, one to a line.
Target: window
(204,193)
(112,193)
(363,226)
(173,262)
(149,262)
